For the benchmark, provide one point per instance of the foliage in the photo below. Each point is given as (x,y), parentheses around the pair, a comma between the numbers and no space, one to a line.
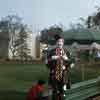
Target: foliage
(17,33)
(21,43)
(47,35)
(93,21)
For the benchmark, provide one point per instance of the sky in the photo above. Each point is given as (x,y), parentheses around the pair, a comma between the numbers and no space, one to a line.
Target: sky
(40,14)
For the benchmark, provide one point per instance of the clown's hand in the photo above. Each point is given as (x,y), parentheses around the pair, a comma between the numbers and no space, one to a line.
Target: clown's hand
(63,67)
(72,65)
(64,87)
(65,57)
(55,57)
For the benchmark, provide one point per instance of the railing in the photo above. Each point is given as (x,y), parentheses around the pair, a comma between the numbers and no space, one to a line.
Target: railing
(83,90)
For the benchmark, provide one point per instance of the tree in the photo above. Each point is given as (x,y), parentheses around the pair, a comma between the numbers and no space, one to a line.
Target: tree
(44,36)
(93,21)
(13,27)
(79,26)
(47,35)
(22,49)
(16,31)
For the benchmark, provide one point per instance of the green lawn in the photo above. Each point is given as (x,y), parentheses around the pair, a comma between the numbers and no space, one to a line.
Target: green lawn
(14,79)
(21,76)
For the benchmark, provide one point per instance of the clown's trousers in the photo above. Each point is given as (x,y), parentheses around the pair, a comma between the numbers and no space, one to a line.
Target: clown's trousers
(57,93)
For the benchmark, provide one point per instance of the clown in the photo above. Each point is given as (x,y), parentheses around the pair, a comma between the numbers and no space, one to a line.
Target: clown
(58,63)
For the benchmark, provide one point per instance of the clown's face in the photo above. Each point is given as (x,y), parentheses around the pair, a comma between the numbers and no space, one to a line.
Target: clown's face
(60,43)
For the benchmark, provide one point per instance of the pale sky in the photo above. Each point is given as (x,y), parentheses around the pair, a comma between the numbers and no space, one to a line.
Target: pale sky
(42,14)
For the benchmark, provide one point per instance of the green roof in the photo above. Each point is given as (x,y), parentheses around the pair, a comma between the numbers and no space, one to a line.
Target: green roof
(84,37)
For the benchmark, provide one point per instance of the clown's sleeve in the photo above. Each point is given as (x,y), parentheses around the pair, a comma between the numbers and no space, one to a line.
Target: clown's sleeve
(48,60)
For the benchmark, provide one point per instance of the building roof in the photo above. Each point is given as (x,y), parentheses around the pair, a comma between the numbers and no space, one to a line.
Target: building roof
(81,37)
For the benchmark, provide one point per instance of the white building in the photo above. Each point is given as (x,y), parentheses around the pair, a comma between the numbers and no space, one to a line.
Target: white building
(34,45)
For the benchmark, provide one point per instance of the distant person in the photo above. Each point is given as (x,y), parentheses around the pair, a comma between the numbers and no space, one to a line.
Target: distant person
(36,91)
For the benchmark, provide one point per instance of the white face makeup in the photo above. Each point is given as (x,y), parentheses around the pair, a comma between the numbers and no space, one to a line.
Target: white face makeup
(60,43)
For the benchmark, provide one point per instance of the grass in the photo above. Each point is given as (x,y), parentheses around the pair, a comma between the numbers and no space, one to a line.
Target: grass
(21,76)
(14,79)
